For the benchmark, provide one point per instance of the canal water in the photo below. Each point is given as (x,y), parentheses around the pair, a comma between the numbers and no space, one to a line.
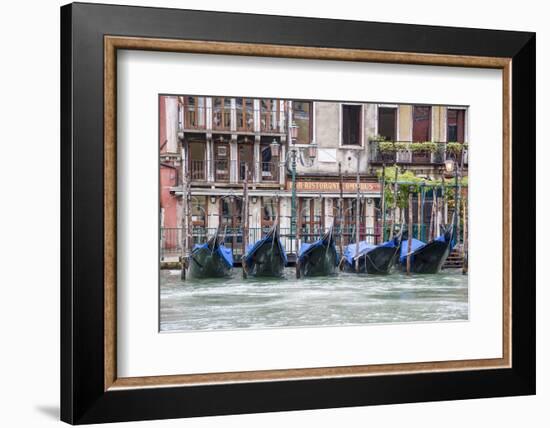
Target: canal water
(343,299)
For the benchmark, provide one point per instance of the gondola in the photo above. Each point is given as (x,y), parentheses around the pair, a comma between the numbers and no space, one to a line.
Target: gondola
(427,257)
(371,258)
(266,257)
(319,258)
(211,259)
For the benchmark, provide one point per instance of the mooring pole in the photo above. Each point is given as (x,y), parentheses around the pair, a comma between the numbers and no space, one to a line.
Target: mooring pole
(465,238)
(340,209)
(245,222)
(409,242)
(418,209)
(433,214)
(444,211)
(383,202)
(357,216)
(394,214)
(421,218)
(184,219)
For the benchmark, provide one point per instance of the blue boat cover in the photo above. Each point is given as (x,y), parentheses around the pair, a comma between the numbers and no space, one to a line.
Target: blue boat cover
(225,253)
(305,247)
(350,251)
(252,248)
(441,238)
(417,245)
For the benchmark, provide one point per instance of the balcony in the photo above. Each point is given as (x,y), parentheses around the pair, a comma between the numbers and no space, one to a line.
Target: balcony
(221,120)
(197,170)
(222,170)
(226,120)
(269,171)
(412,153)
(232,171)
(194,118)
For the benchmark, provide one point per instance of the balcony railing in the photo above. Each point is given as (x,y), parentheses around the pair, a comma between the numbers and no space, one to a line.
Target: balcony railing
(195,118)
(225,171)
(222,170)
(197,170)
(407,152)
(269,171)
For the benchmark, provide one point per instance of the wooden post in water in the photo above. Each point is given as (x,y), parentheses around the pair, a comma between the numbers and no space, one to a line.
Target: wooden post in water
(443,204)
(421,218)
(434,210)
(418,209)
(357,217)
(184,217)
(394,203)
(465,238)
(341,210)
(409,242)
(245,219)
(383,202)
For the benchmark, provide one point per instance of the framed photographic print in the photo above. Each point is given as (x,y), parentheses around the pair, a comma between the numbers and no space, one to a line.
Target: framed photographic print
(265,213)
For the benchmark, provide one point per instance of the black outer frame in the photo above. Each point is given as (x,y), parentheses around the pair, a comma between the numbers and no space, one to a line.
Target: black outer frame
(83,399)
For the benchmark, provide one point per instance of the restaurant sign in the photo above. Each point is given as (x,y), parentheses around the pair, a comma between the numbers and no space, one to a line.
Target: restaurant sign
(334,186)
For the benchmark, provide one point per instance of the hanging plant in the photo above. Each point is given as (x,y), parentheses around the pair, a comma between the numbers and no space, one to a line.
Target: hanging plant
(387,147)
(426,147)
(455,148)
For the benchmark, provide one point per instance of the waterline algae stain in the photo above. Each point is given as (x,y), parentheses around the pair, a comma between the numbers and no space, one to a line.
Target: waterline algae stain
(345,299)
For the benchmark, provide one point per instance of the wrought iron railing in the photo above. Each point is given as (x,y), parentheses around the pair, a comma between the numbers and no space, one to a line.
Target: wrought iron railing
(197,170)
(171,238)
(269,171)
(407,152)
(225,171)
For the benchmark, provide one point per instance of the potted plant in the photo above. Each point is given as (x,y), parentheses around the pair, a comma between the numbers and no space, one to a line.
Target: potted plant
(454,150)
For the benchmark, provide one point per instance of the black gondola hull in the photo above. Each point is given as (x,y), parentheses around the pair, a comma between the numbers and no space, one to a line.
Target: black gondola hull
(267,262)
(378,261)
(207,264)
(320,261)
(430,258)
(267,258)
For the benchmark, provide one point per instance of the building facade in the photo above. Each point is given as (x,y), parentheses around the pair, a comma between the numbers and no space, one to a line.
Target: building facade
(215,144)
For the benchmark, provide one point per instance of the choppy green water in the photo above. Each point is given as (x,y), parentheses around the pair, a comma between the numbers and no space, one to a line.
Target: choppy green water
(344,299)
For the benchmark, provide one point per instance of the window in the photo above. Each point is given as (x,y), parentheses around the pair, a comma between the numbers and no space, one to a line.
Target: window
(245,114)
(310,218)
(221,113)
(301,115)
(351,125)
(269,163)
(231,221)
(269,115)
(349,219)
(246,159)
(194,112)
(198,211)
(197,154)
(422,123)
(221,161)
(455,125)
(387,123)
(422,131)
(270,207)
